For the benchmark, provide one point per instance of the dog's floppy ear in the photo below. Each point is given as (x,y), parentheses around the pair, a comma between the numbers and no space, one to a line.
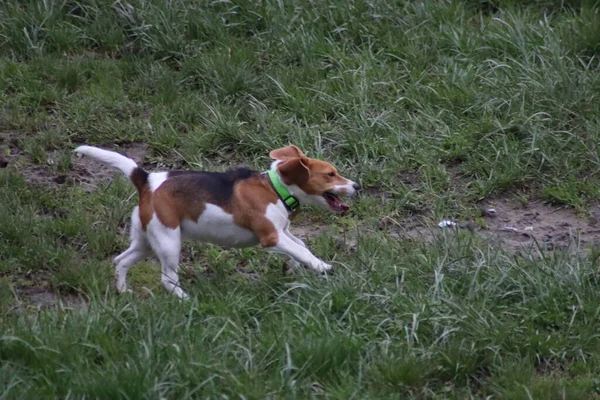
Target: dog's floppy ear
(294,171)
(286,153)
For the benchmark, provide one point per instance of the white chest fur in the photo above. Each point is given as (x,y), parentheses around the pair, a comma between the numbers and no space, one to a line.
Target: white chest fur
(217,227)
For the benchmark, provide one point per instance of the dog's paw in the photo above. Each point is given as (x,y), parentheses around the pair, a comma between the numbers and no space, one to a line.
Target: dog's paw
(324,268)
(183,296)
(122,289)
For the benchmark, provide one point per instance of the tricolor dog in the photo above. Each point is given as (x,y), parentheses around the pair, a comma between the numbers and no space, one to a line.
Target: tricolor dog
(238,208)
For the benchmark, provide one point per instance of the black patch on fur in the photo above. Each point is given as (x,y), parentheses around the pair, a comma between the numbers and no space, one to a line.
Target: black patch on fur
(215,187)
(139,177)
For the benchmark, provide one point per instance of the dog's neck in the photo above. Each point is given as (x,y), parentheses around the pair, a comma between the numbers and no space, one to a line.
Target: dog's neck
(283,191)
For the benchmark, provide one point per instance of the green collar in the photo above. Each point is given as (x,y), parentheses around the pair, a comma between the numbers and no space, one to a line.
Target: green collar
(291,203)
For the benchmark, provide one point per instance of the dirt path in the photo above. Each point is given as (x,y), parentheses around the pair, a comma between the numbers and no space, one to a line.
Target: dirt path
(515,227)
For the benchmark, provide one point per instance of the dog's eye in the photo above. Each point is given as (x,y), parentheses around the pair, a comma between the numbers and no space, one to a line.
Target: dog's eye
(331,174)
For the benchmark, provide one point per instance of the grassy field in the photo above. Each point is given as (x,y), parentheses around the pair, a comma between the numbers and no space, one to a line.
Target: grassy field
(433,106)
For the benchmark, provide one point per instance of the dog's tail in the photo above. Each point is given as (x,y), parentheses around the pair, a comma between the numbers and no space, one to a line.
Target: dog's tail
(137,175)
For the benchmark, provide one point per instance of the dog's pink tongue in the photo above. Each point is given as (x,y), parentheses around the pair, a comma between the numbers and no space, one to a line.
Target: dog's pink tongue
(338,205)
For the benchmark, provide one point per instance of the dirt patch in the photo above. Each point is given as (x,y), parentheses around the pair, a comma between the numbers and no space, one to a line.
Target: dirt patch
(306,230)
(416,227)
(517,226)
(308,227)
(42,297)
(34,289)
(84,170)
(513,226)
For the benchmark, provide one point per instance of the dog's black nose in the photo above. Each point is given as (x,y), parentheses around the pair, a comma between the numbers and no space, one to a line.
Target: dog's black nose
(356,186)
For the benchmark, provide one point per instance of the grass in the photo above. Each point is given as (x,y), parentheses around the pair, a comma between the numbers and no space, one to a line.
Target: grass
(470,100)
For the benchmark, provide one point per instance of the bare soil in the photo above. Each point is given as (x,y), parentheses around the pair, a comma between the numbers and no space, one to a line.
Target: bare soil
(44,297)
(85,171)
(514,226)
(520,226)
(35,290)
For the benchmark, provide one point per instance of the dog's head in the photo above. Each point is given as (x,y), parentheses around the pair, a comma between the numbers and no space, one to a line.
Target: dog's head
(312,181)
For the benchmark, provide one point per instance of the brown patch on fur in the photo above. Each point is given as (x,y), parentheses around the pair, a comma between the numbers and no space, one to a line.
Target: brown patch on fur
(139,178)
(294,171)
(176,200)
(250,201)
(145,210)
(322,177)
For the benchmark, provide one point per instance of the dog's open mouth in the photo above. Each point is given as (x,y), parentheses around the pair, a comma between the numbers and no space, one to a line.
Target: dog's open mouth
(335,203)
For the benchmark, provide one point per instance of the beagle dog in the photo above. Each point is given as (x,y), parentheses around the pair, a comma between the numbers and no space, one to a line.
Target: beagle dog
(238,208)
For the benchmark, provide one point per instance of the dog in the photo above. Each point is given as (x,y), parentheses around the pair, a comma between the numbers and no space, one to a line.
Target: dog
(237,208)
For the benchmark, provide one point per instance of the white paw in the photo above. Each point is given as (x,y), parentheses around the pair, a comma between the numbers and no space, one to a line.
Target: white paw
(181,294)
(124,290)
(122,287)
(323,267)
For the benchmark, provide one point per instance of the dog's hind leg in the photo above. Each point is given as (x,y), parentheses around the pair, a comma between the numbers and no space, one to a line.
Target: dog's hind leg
(166,243)
(137,251)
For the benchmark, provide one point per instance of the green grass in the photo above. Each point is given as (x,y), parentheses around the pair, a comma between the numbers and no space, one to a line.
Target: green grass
(471,99)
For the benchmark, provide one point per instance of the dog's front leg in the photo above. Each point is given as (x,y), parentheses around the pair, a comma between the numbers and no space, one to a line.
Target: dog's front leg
(275,236)
(287,232)
(298,253)
(292,264)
